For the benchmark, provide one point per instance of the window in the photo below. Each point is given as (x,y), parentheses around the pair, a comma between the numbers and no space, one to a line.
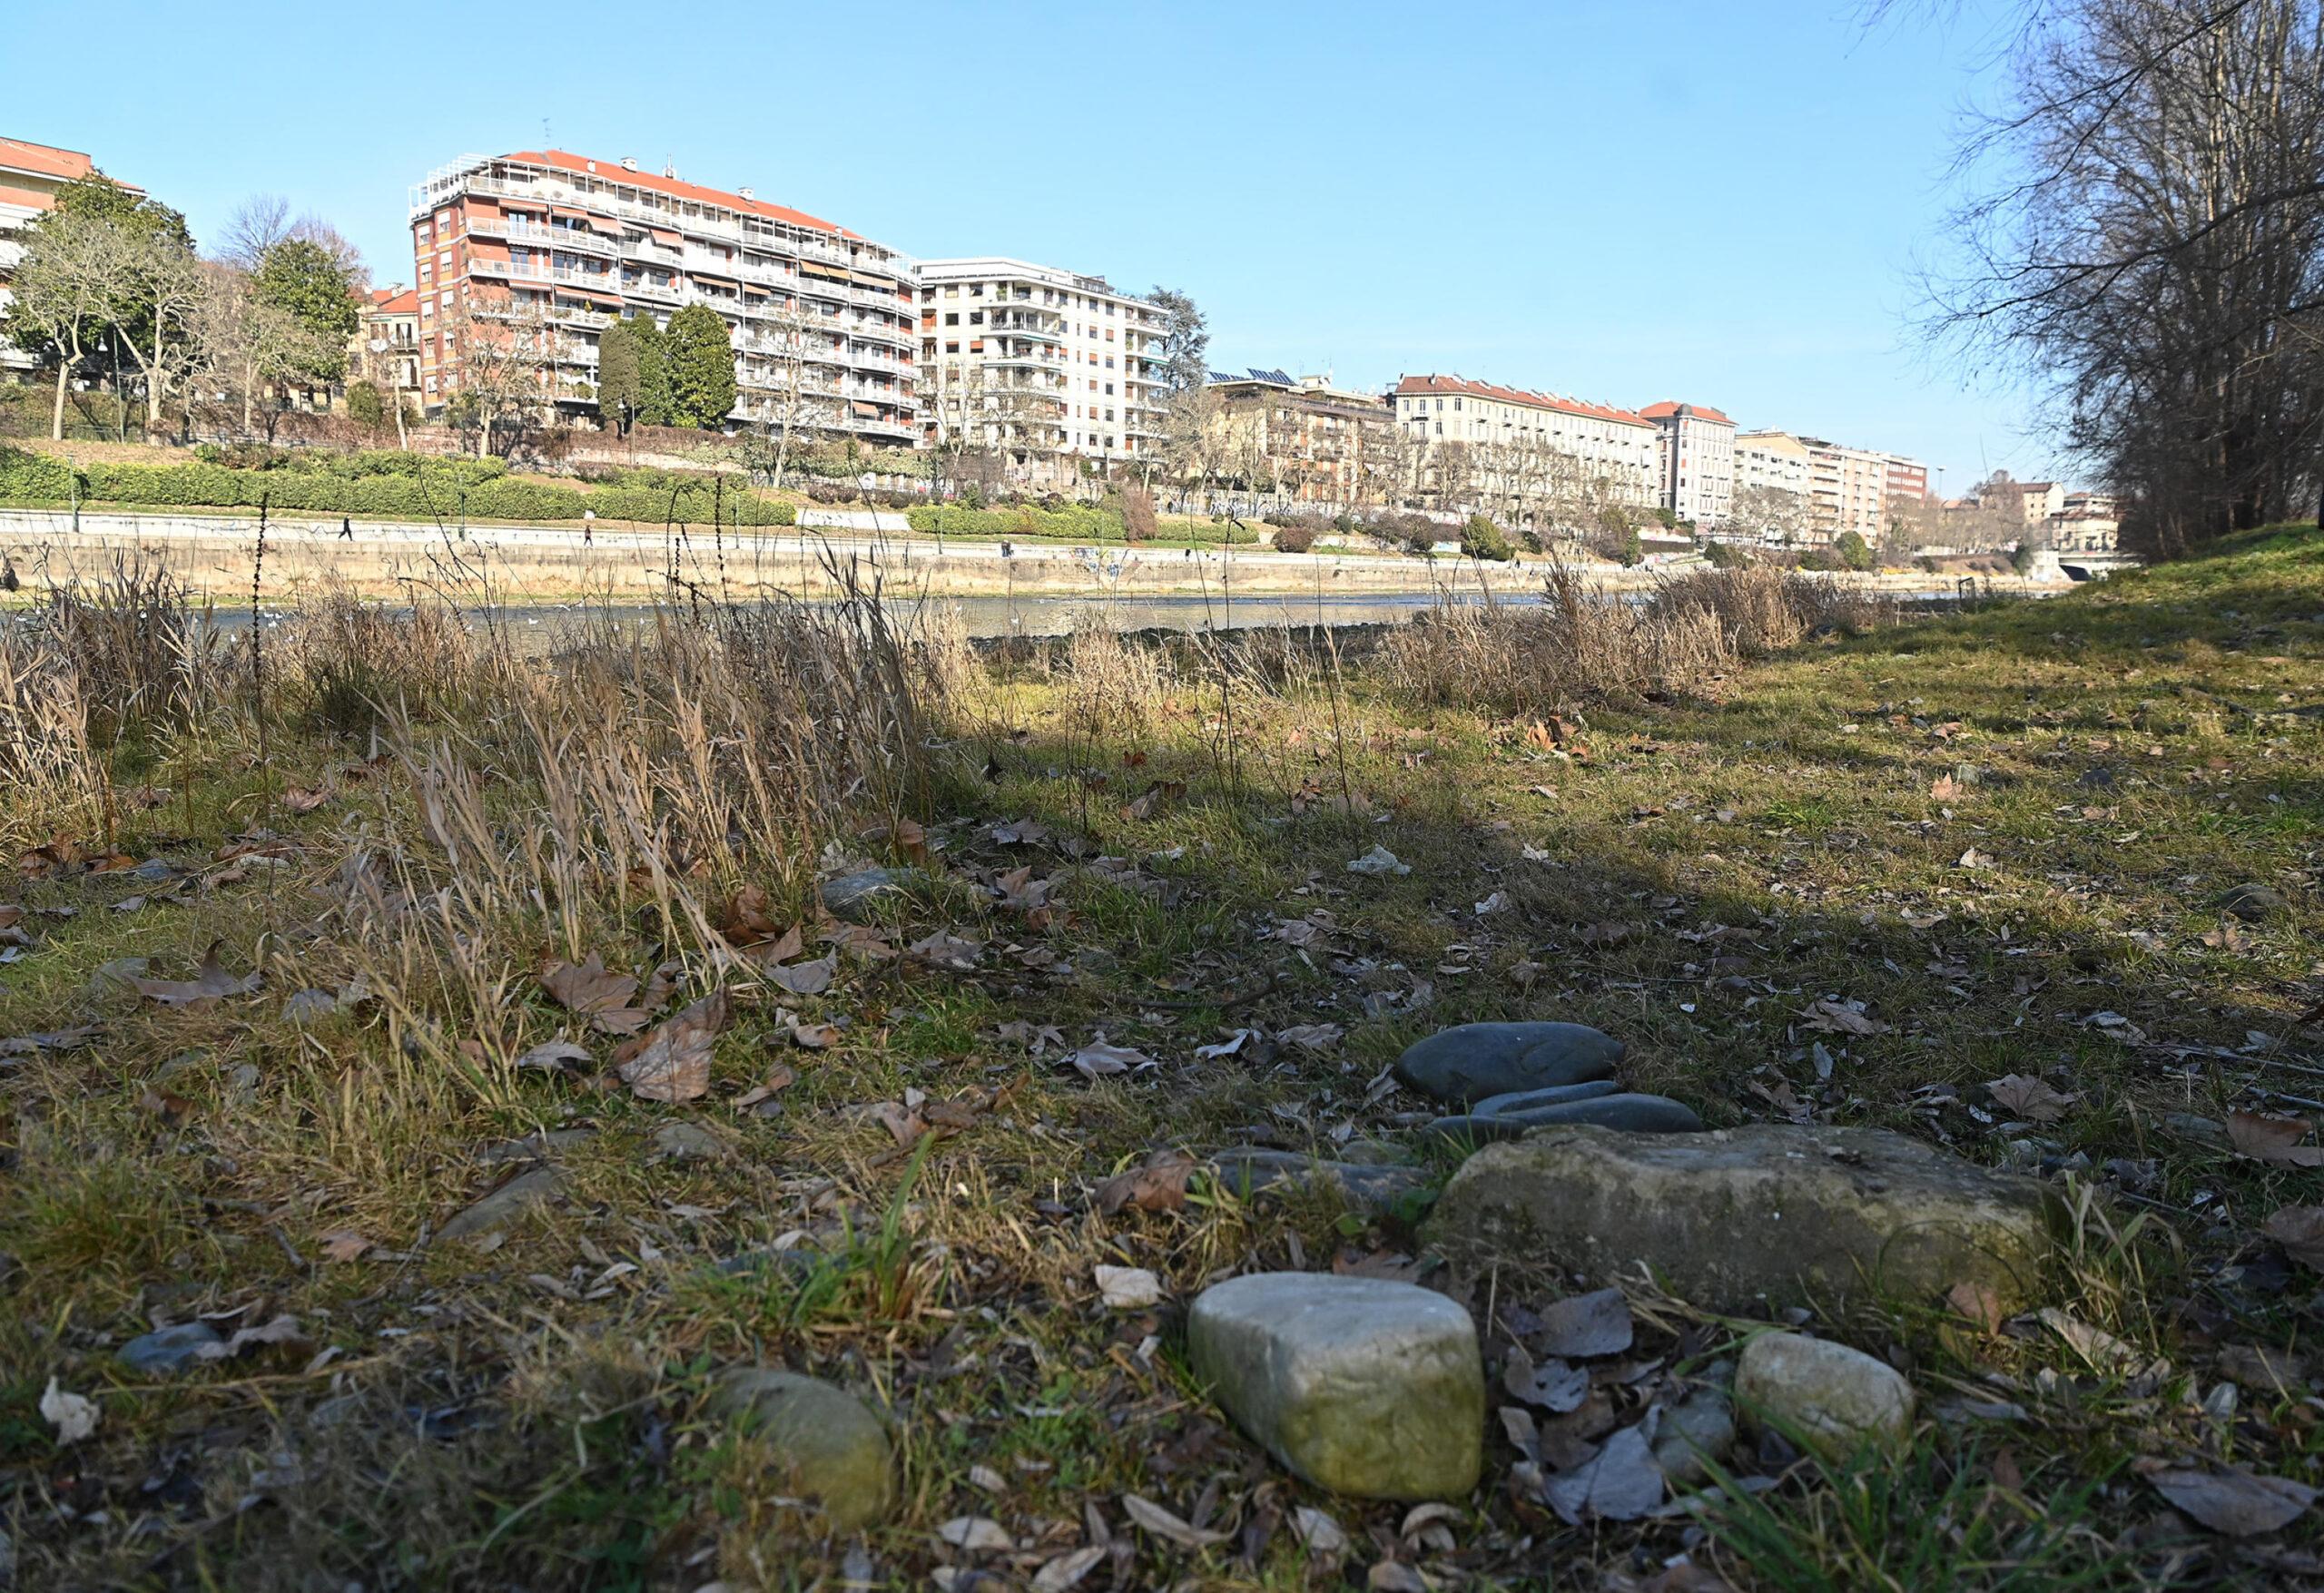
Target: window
(952,318)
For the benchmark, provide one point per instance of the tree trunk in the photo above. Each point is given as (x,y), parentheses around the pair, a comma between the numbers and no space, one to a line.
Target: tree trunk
(56,417)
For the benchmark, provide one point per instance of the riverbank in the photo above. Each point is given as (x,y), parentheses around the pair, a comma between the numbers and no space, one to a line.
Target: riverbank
(313,998)
(218,555)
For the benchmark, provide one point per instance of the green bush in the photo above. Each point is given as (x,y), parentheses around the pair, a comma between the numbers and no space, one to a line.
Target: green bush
(385,485)
(1853,552)
(1072,523)
(1482,540)
(1727,556)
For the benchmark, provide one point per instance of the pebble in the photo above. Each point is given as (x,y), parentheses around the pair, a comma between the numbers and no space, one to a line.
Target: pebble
(505,1205)
(825,1444)
(1471,1062)
(854,896)
(1834,1399)
(1700,1427)
(2252,901)
(1362,1386)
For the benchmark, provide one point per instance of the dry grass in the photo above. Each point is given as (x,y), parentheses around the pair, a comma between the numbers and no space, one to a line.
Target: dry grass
(449,818)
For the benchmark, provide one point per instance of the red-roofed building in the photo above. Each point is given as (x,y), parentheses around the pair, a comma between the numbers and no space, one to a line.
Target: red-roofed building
(30,175)
(385,348)
(1694,461)
(1520,455)
(558,246)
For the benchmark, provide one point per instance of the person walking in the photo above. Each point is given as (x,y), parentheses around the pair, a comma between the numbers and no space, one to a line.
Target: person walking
(588,525)
(346,530)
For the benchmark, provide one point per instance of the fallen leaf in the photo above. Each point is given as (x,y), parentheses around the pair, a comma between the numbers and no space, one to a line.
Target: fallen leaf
(282,1329)
(977,1534)
(1556,1386)
(1129,1288)
(1316,1532)
(74,1416)
(804,979)
(1152,1518)
(1978,1302)
(306,799)
(1018,832)
(1944,787)
(816,1037)
(552,1055)
(1974,859)
(1160,1186)
(1099,1058)
(2300,1229)
(588,987)
(745,921)
(672,1063)
(1842,1018)
(945,950)
(1068,1569)
(1226,1047)
(210,982)
(2029,1098)
(2272,1140)
(1597,1323)
(1621,1482)
(343,1244)
(1319,1038)
(780,1076)
(2236,1503)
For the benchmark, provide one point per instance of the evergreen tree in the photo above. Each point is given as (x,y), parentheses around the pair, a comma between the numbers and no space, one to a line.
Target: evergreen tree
(309,283)
(620,387)
(654,406)
(700,355)
(1186,341)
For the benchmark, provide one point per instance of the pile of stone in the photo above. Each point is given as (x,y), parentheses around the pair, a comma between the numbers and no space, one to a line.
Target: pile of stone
(1507,1078)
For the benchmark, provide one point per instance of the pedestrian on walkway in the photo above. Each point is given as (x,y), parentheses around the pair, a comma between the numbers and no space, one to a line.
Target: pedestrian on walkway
(588,525)
(346,530)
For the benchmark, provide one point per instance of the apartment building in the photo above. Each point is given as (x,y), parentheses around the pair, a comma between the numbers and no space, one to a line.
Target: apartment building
(1500,431)
(1053,368)
(385,348)
(1313,442)
(30,175)
(556,246)
(1694,461)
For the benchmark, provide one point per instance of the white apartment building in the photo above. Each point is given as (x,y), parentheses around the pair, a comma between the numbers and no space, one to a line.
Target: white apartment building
(1049,367)
(821,319)
(1695,461)
(1610,446)
(30,175)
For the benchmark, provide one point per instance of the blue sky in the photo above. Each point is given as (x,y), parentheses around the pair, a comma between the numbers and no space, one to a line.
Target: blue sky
(1705,202)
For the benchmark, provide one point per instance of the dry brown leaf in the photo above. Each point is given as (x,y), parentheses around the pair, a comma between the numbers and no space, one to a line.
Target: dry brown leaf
(551,1056)
(2029,1098)
(2272,1140)
(1160,1186)
(1979,1303)
(1944,788)
(672,1063)
(803,979)
(744,920)
(2237,1504)
(815,1037)
(1152,1518)
(306,799)
(343,1244)
(2300,1229)
(588,987)
(780,1076)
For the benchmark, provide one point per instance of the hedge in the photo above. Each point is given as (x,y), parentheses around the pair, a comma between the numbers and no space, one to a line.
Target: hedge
(1074,522)
(399,492)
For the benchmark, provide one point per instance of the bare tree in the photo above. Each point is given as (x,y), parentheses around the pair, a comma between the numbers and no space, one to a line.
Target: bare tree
(241,343)
(161,279)
(502,346)
(64,288)
(1197,443)
(264,219)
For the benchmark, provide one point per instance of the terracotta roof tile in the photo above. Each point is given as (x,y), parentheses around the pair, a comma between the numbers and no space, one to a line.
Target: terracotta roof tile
(47,160)
(1482,389)
(1668,407)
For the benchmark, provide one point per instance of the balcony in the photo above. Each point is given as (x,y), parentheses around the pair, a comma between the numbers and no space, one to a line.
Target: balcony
(644,287)
(577,240)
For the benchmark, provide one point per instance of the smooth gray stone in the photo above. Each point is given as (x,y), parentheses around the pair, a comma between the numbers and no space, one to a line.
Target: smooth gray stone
(1700,1427)
(1630,1114)
(853,896)
(1360,1385)
(2252,902)
(1474,1061)
(1556,1094)
(1247,1169)
(167,1350)
(827,1445)
(505,1205)
(1835,1398)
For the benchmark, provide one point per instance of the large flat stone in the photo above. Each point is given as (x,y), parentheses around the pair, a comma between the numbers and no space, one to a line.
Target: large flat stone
(1360,1385)
(1745,1219)
(826,1444)
(1471,1061)
(1247,1169)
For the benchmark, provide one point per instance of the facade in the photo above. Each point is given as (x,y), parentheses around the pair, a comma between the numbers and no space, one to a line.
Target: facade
(385,346)
(1854,489)
(1771,495)
(1609,453)
(1695,461)
(1316,443)
(555,246)
(30,175)
(1049,367)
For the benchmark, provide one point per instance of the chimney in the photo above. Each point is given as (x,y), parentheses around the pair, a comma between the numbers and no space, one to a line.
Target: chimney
(746,194)
(629,162)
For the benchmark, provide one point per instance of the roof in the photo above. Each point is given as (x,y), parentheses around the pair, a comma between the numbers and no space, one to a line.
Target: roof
(1668,408)
(388,301)
(1273,379)
(1482,389)
(42,160)
(614,172)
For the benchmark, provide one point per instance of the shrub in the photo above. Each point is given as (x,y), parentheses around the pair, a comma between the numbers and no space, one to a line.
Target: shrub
(2021,560)
(1139,522)
(1078,523)
(1853,552)
(1725,556)
(1482,540)
(1294,537)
